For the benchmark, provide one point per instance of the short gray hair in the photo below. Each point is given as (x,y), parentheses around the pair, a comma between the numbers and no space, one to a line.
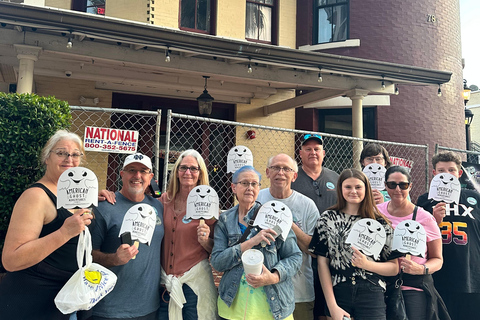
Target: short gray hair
(56,138)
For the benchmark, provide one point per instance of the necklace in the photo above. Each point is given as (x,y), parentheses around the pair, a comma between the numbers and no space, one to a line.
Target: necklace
(179,207)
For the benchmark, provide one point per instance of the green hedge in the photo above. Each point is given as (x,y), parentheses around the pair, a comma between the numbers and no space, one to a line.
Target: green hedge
(26,123)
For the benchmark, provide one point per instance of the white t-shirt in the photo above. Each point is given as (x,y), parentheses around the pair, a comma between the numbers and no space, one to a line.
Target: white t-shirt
(305,216)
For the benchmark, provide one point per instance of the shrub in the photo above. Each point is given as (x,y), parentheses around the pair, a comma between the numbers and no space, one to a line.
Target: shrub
(26,123)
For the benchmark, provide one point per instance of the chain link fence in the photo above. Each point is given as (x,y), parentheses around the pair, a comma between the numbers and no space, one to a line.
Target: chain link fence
(107,165)
(214,138)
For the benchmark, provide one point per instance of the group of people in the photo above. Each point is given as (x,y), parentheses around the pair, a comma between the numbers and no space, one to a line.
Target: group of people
(312,273)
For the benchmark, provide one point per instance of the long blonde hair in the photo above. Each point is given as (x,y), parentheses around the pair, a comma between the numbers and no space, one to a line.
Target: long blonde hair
(174,184)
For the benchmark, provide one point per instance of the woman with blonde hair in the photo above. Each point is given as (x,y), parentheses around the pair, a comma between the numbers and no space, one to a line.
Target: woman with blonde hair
(186,247)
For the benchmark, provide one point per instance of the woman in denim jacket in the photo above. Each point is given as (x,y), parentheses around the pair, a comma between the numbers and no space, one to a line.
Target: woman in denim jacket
(266,296)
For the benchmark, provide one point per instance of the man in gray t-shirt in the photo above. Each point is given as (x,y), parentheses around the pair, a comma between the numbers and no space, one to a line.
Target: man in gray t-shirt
(319,184)
(282,170)
(137,264)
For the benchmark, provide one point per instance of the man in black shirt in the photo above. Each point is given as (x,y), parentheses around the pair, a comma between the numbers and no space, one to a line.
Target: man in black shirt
(458,282)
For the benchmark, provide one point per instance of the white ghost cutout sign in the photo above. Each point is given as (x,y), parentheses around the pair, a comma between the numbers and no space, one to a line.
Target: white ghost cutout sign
(77,188)
(368,236)
(410,237)
(274,213)
(445,187)
(238,157)
(376,175)
(140,221)
(202,203)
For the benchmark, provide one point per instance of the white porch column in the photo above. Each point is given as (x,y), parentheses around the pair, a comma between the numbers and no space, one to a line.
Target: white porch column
(357,96)
(27,55)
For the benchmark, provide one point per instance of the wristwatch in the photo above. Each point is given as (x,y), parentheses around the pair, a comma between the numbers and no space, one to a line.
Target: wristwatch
(425,268)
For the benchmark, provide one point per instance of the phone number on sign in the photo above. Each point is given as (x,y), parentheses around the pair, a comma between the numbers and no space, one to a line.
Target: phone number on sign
(109,147)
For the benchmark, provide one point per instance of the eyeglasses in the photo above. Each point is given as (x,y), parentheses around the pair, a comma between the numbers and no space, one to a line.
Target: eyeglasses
(393,185)
(134,171)
(308,136)
(185,168)
(65,154)
(278,169)
(377,159)
(317,188)
(247,184)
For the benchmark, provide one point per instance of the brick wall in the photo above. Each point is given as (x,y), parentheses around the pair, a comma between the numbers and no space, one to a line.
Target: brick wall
(253,113)
(401,32)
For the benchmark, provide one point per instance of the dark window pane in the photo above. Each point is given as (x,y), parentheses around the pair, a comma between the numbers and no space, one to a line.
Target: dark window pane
(187,14)
(203,15)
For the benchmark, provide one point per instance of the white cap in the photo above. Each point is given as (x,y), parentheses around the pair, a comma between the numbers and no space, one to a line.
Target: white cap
(138,158)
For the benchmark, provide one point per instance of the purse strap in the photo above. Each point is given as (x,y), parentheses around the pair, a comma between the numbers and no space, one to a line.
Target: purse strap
(415,213)
(250,225)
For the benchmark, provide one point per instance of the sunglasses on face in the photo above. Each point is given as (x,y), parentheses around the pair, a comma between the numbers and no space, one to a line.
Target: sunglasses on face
(393,185)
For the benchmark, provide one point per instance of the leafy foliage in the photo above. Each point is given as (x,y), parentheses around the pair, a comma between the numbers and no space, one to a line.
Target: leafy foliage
(26,123)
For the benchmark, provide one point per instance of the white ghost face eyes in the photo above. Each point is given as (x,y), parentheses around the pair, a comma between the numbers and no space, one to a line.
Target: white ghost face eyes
(277,208)
(202,194)
(71,175)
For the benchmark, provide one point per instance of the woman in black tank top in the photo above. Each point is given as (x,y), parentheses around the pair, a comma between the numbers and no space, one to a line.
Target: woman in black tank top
(41,241)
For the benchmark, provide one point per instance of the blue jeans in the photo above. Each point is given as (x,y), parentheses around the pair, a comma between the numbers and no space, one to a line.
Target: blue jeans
(189,310)
(361,298)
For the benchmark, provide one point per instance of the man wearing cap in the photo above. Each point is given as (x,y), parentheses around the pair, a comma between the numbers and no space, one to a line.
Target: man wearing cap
(282,170)
(136,264)
(319,184)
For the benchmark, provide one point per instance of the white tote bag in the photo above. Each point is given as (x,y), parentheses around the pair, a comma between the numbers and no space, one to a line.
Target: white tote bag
(89,284)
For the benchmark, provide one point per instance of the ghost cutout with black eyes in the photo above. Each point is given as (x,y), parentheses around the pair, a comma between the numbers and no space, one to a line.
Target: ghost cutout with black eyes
(445,187)
(202,203)
(368,236)
(272,214)
(77,188)
(238,157)
(410,237)
(140,221)
(376,175)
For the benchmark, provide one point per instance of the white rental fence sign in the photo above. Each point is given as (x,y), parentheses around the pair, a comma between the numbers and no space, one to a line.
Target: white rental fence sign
(110,140)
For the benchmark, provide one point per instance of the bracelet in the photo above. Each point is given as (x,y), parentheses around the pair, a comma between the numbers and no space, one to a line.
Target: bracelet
(425,269)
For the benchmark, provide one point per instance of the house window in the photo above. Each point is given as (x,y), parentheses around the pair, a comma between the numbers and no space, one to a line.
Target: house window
(196,15)
(331,20)
(260,20)
(89,6)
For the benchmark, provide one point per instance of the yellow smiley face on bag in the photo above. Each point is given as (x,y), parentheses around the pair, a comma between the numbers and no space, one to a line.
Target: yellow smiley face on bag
(93,276)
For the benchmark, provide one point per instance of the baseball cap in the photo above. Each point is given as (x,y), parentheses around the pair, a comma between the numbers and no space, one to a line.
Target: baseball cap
(138,158)
(315,137)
